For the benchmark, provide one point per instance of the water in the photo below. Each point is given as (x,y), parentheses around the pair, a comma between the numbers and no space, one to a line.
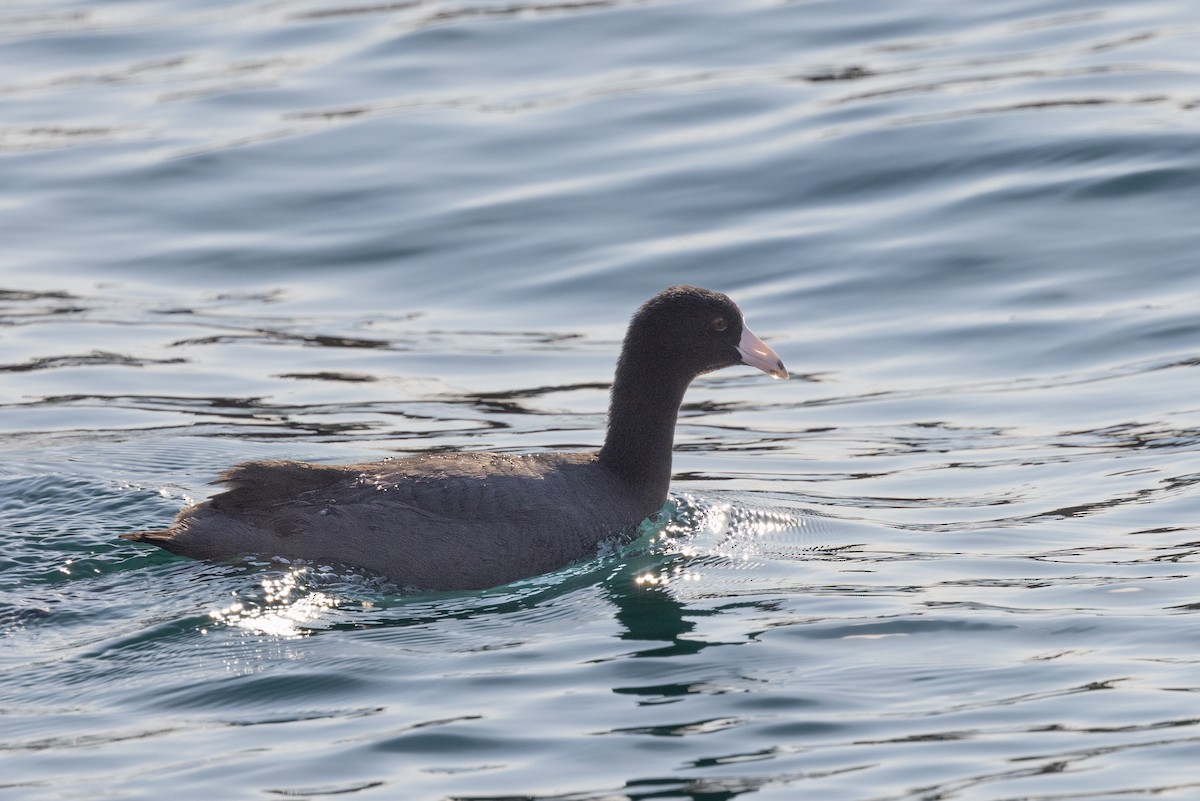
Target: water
(954,557)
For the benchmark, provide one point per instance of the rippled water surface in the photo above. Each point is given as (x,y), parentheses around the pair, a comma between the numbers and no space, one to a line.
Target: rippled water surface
(954,557)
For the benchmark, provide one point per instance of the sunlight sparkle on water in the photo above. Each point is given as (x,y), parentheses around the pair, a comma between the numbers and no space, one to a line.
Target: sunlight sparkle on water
(283,607)
(707,532)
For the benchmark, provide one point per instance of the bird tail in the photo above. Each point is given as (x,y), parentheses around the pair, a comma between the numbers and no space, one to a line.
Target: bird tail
(163,538)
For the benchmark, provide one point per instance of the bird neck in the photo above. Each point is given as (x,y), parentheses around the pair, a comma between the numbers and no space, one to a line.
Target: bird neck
(641,427)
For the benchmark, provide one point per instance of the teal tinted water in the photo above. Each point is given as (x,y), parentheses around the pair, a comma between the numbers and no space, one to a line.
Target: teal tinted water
(954,557)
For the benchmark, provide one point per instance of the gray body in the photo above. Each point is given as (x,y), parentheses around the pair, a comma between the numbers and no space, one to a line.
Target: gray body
(436,521)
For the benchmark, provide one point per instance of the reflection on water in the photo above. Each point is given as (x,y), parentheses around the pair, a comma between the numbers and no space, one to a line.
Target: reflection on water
(282,607)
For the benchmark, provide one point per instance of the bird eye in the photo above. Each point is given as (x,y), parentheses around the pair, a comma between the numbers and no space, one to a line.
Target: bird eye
(719,324)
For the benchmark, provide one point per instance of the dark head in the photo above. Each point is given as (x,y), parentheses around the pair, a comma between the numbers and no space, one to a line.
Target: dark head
(677,335)
(688,330)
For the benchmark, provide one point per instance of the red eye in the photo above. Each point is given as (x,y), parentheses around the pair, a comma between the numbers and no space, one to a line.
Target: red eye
(719,324)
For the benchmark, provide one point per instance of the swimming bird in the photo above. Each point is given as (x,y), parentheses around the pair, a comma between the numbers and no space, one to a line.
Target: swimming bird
(458,521)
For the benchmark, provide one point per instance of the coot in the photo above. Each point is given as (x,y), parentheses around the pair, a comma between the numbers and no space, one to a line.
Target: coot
(450,521)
